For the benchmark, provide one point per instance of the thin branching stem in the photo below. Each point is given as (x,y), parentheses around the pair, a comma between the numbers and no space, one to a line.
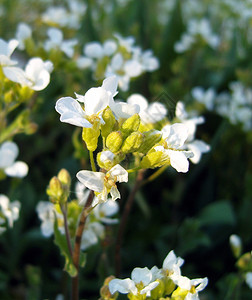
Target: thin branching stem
(77,244)
(63,208)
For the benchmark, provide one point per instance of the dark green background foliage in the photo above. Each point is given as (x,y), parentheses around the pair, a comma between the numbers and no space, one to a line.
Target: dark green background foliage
(193,213)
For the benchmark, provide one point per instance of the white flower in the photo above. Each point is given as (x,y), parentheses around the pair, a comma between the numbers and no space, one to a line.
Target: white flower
(248,279)
(196,146)
(10,210)
(95,101)
(91,234)
(172,263)
(193,286)
(102,183)
(36,75)
(8,154)
(205,97)
(56,41)
(175,136)
(24,32)
(152,113)
(6,50)
(46,213)
(141,282)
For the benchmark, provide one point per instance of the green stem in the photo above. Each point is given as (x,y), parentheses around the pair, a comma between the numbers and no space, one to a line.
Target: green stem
(91,155)
(77,244)
(155,174)
(63,208)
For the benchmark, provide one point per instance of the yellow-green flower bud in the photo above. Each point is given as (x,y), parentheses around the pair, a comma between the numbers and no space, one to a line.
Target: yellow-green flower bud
(64,177)
(55,190)
(106,159)
(179,294)
(109,120)
(131,125)
(245,262)
(90,136)
(154,159)
(114,141)
(104,291)
(152,137)
(133,142)
(158,291)
(236,245)
(169,286)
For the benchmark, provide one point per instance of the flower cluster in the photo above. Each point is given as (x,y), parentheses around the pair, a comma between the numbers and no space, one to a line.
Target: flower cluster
(156,283)
(118,56)
(235,105)
(99,217)
(129,127)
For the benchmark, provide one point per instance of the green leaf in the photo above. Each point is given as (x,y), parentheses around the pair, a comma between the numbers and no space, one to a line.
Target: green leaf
(220,212)
(61,242)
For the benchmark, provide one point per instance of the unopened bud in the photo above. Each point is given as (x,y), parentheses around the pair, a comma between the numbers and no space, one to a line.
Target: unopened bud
(245,262)
(131,124)
(114,141)
(152,137)
(154,159)
(236,245)
(109,120)
(90,136)
(179,294)
(133,142)
(55,190)
(64,177)
(105,292)
(158,291)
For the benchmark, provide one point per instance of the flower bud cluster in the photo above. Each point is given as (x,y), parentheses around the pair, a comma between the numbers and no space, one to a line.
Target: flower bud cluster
(155,283)
(59,187)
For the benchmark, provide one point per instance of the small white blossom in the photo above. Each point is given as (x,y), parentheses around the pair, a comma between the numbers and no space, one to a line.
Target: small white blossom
(8,154)
(95,101)
(141,276)
(248,279)
(10,210)
(152,113)
(103,183)
(175,136)
(23,33)
(56,41)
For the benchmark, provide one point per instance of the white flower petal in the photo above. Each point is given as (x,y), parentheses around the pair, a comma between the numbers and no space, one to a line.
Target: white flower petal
(115,194)
(8,153)
(124,110)
(71,112)
(149,288)
(92,180)
(110,84)
(175,135)
(123,286)
(120,173)
(143,275)
(19,169)
(96,99)
(178,160)
(139,100)
(93,50)
(17,75)
(198,147)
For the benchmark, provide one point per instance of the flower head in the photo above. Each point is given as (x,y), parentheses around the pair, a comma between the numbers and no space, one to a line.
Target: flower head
(103,183)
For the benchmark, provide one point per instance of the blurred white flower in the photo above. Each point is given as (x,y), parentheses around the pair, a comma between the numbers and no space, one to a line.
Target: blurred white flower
(6,50)
(9,210)
(149,113)
(8,154)
(56,41)
(46,212)
(205,97)
(36,74)
(248,279)
(23,33)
